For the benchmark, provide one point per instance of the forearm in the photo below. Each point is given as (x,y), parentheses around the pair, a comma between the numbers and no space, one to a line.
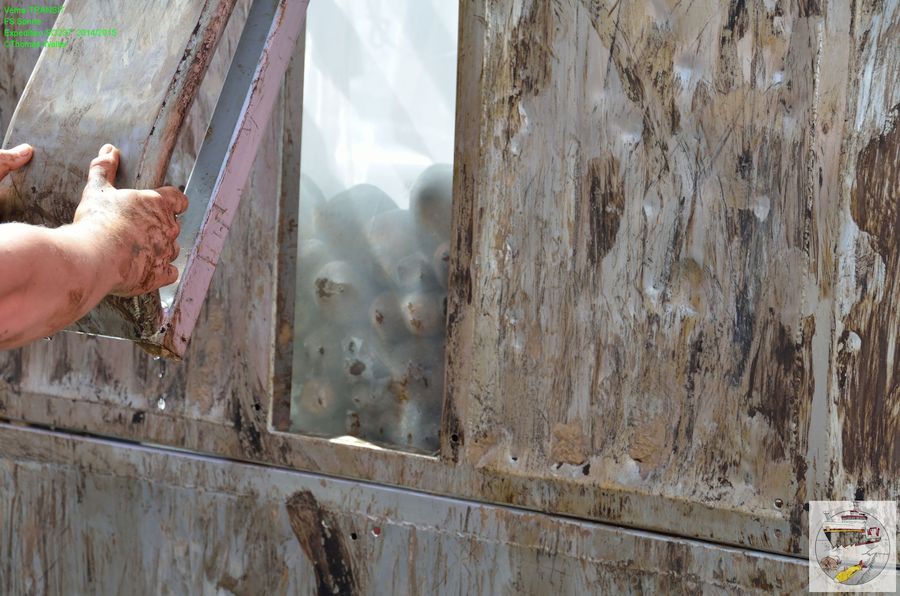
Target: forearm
(49,278)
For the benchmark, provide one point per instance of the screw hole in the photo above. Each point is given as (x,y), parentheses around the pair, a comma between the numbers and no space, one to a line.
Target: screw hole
(779,503)
(353,536)
(454,438)
(586,469)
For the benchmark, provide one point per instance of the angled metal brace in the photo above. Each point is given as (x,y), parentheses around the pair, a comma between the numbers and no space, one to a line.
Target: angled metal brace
(226,156)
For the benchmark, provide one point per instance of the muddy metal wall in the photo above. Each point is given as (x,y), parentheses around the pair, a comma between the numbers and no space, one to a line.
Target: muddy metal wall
(679,237)
(92,517)
(673,299)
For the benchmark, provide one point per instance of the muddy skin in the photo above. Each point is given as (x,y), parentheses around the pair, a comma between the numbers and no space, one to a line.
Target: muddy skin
(138,225)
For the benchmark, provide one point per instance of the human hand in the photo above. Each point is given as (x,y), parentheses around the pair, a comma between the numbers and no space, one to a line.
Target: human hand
(15,158)
(136,229)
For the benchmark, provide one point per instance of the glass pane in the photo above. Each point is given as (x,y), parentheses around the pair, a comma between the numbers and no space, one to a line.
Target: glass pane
(378,131)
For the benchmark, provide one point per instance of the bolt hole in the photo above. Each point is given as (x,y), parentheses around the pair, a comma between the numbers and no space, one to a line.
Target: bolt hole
(586,469)
(779,503)
(353,536)
(454,438)
(257,407)
(514,458)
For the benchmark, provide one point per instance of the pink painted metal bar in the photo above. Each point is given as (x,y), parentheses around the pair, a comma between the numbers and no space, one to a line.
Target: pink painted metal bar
(180,318)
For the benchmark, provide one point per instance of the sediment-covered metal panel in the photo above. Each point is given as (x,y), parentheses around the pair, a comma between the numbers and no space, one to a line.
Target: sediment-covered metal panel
(91,517)
(672,289)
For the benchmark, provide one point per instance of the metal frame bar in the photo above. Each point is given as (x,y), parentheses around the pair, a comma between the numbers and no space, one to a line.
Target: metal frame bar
(227,154)
(288,218)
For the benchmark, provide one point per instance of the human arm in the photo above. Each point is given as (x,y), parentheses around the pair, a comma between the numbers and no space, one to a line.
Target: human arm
(121,242)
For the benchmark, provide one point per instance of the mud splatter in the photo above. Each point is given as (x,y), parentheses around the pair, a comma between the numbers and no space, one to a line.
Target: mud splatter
(871,430)
(321,539)
(605,198)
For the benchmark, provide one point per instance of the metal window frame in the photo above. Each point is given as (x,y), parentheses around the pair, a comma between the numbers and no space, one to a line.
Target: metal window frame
(226,156)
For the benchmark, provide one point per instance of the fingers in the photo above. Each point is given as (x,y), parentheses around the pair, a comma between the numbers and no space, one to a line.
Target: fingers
(166,273)
(145,222)
(15,158)
(104,167)
(153,277)
(158,209)
(173,200)
(178,203)
(165,276)
(165,208)
(176,199)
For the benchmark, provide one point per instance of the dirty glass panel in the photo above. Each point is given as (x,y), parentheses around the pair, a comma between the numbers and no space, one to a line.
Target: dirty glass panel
(377,150)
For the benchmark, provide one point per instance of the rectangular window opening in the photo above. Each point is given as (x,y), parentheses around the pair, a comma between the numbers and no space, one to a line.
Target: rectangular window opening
(379,105)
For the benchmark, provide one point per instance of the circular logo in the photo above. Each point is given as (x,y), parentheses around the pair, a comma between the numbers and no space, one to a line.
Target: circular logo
(852,546)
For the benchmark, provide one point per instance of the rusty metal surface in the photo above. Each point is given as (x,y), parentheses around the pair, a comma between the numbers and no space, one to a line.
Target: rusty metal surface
(127,89)
(714,355)
(85,516)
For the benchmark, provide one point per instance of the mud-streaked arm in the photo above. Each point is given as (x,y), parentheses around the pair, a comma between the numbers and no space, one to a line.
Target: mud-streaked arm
(121,242)
(49,278)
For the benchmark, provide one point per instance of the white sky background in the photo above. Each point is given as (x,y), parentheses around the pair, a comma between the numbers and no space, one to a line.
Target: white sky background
(379,92)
